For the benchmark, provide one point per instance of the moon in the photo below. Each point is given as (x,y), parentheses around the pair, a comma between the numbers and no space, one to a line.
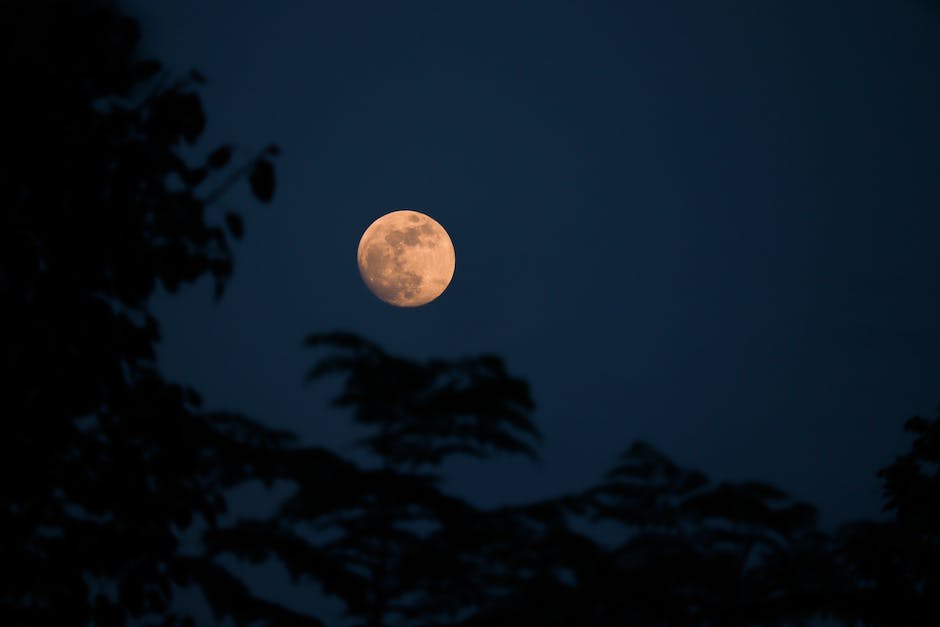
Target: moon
(406,258)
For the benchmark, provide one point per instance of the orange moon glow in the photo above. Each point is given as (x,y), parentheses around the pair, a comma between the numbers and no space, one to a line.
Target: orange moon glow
(406,258)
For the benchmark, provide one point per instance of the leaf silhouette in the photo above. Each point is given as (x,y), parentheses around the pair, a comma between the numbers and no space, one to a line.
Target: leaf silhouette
(262,180)
(219,157)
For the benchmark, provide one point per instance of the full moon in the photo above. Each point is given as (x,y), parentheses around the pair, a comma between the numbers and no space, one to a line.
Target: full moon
(406,258)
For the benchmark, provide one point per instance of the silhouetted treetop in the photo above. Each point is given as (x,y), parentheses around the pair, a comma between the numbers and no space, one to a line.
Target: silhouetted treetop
(893,567)
(420,413)
(912,482)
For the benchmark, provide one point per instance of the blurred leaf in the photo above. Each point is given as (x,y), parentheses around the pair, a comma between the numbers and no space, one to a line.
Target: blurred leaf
(262,180)
(220,157)
(234,223)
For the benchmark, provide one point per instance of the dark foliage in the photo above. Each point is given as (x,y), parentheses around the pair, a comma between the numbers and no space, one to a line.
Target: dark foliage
(894,566)
(107,468)
(103,463)
(422,413)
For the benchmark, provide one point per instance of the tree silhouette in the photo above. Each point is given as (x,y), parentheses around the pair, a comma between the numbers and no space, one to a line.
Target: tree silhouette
(104,462)
(892,567)
(422,413)
(687,552)
(106,467)
(373,527)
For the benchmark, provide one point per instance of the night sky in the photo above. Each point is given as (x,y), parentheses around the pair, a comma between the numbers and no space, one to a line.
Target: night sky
(713,226)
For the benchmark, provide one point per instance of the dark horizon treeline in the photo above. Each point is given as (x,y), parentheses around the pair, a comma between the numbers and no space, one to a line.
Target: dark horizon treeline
(107,466)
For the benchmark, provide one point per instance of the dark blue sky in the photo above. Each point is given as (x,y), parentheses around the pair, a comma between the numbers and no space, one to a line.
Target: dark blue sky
(712,226)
